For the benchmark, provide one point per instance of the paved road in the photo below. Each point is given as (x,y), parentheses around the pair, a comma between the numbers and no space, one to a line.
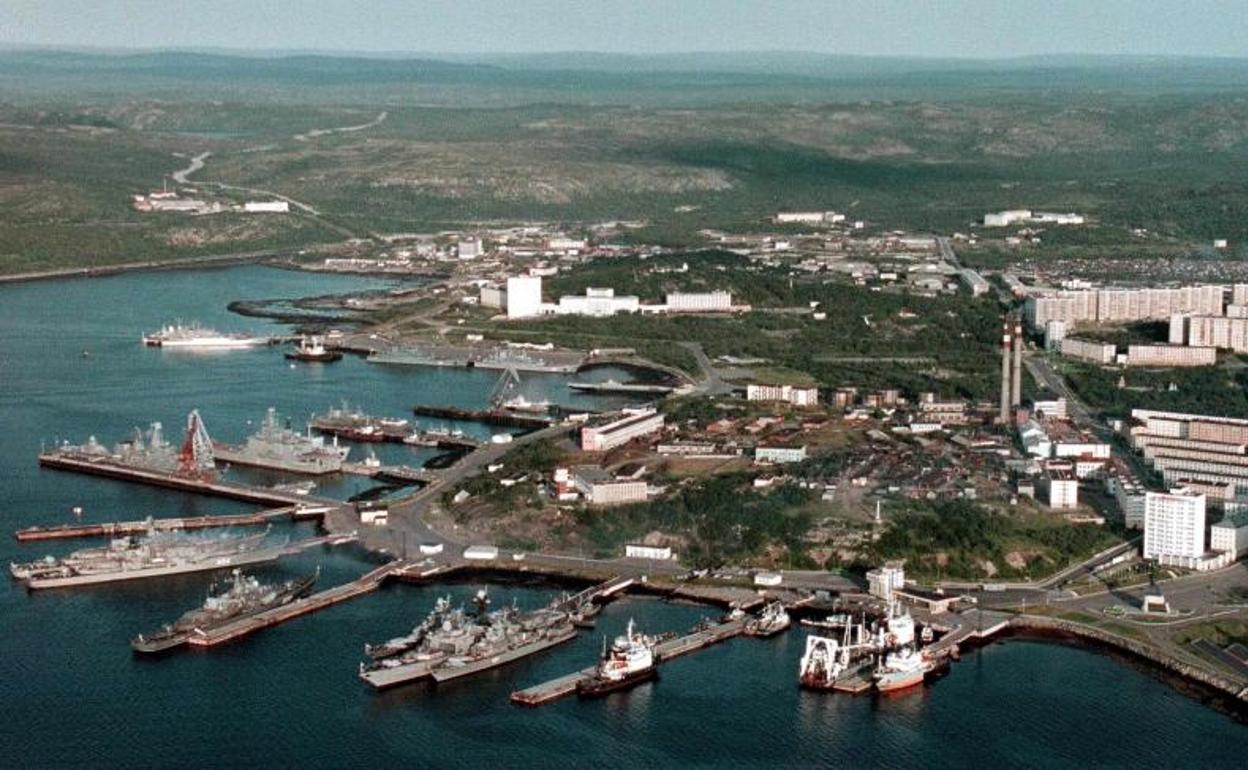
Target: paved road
(712,384)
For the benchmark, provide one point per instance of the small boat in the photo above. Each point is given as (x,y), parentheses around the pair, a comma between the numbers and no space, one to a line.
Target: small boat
(313,349)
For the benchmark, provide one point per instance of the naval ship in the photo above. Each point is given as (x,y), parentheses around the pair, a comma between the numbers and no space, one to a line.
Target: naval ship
(242,597)
(279,448)
(452,643)
(154,555)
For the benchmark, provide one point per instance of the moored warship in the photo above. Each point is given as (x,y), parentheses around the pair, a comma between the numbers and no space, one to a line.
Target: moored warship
(283,449)
(153,555)
(242,597)
(452,643)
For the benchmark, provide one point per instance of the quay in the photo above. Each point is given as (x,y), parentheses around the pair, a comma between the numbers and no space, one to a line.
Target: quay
(566,685)
(117,528)
(400,473)
(108,467)
(363,428)
(486,416)
(366,583)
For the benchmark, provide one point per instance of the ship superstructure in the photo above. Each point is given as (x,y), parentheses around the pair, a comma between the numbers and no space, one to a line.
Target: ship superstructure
(773,620)
(241,597)
(280,448)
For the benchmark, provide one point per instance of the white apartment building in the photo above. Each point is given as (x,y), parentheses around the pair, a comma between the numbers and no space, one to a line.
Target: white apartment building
(1061,490)
(634,423)
(1108,305)
(469,248)
(779,454)
(1054,333)
(1230,536)
(266,207)
(1088,350)
(524,296)
(1174,525)
(1052,407)
(699,302)
(797,396)
(1193,447)
(1171,355)
(599,488)
(1210,331)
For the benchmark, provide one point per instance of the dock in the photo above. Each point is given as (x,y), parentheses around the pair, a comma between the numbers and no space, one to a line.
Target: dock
(400,473)
(362,585)
(119,528)
(110,467)
(566,685)
(485,416)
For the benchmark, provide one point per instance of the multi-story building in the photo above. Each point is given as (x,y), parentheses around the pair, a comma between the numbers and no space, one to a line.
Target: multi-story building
(1192,447)
(779,454)
(795,395)
(1050,406)
(1089,350)
(1131,499)
(1174,526)
(701,302)
(1171,355)
(1230,536)
(635,423)
(599,488)
(524,296)
(883,582)
(1115,305)
(1054,333)
(653,552)
(1061,489)
(1210,331)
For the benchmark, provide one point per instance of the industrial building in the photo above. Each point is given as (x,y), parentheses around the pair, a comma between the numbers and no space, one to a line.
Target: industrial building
(597,302)
(266,207)
(795,395)
(634,423)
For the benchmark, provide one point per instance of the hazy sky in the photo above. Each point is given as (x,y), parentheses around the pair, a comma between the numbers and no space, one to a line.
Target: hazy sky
(962,28)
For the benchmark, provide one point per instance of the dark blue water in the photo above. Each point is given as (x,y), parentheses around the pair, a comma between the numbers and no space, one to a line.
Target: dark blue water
(71,692)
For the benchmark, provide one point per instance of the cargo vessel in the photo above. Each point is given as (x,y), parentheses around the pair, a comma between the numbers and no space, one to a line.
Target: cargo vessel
(194,336)
(280,448)
(242,597)
(155,555)
(629,660)
(452,643)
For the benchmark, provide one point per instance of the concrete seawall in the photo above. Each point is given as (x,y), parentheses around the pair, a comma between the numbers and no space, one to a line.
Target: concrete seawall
(1055,626)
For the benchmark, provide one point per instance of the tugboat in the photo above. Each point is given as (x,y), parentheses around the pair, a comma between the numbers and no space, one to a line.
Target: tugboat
(313,349)
(629,660)
(902,669)
(772,621)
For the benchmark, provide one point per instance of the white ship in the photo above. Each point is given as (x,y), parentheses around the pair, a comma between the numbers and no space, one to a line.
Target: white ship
(773,620)
(902,669)
(179,336)
(630,659)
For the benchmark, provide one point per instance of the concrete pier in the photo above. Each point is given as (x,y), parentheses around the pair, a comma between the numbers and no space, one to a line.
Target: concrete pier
(110,468)
(118,528)
(664,651)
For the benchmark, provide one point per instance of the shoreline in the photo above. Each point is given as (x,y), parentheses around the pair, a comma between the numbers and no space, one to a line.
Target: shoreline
(102,271)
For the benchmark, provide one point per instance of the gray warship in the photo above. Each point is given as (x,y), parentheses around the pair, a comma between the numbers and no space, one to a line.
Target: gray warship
(280,448)
(243,596)
(453,643)
(154,555)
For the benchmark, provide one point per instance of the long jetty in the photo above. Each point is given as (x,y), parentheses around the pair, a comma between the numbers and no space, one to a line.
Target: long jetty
(487,416)
(111,468)
(366,583)
(566,685)
(117,528)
